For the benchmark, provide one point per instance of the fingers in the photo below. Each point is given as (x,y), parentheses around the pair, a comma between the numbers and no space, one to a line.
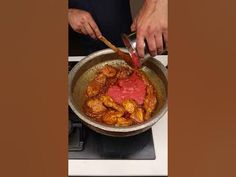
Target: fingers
(140,44)
(89,30)
(94,27)
(82,31)
(91,27)
(151,41)
(165,38)
(82,21)
(154,42)
(159,43)
(133,26)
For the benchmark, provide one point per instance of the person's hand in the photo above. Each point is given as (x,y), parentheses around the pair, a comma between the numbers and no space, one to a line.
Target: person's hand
(152,24)
(82,22)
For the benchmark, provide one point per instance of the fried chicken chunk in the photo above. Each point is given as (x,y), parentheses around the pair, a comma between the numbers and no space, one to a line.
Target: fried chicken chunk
(129,105)
(100,78)
(123,122)
(95,108)
(138,115)
(93,89)
(123,72)
(150,101)
(102,108)
(111,117)
(143,76)
(108,102)
(95,85)
(108,71)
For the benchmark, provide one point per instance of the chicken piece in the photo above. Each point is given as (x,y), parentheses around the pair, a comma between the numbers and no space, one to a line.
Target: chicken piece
(108,71)
(111,117)
(101,78)
(96,105)
(123,122)
(108,102)
(150,101)
(111,81)
(126,115)
(129,105)
(95,85)
(123,73)
(95,108)
(138,115)
(93,89)
(147,115)
(142,75)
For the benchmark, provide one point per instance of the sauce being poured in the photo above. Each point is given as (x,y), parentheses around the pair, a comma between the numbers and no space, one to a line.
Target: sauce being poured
(135,60)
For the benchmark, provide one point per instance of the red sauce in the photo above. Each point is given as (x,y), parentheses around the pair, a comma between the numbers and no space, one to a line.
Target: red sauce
(135,60)
(130,88)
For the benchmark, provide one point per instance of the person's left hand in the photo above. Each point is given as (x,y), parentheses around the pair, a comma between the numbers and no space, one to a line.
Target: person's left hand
(152,24)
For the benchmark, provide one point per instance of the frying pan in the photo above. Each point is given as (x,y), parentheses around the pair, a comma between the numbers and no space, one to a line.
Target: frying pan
(84,71)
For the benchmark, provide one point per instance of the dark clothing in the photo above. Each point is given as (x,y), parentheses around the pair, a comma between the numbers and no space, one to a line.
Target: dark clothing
(113,18)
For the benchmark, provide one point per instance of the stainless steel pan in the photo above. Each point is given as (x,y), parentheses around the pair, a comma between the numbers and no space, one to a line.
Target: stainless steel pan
(85,71)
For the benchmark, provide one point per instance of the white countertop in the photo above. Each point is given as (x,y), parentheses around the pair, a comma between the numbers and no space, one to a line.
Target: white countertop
(157,167)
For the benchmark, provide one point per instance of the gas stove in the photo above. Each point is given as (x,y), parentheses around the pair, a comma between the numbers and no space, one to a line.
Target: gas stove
(87,144)
(143,154)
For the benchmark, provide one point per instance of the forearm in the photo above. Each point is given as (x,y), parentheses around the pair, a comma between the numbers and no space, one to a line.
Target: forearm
(151,2)
(155,4)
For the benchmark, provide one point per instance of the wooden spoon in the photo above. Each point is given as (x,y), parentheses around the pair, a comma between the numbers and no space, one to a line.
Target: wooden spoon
(123,55)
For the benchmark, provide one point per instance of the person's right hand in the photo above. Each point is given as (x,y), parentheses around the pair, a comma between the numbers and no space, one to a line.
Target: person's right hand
(151,25)
(82,22)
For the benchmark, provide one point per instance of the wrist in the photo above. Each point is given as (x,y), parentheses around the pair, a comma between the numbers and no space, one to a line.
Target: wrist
(151,5)
(151,2)
(73,9)
(70,10)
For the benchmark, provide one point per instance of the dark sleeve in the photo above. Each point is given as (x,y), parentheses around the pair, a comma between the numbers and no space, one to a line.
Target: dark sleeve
(73,3)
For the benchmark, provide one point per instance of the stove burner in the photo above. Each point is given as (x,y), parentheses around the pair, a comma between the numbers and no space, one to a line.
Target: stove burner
(84,143)
(76,133)
(76,139)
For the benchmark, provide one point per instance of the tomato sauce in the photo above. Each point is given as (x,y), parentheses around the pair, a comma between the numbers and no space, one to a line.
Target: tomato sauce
(135,60)
(130,88)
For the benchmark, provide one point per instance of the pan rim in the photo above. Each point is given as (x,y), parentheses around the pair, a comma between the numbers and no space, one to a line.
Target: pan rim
(104,127)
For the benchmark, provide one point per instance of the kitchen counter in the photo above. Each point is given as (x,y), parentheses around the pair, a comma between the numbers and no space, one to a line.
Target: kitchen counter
(157,167)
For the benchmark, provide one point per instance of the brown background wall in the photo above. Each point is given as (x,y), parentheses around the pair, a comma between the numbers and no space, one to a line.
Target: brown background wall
(202,85)
(33,91)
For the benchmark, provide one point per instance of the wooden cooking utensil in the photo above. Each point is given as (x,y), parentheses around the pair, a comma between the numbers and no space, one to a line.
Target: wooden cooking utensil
(123,55)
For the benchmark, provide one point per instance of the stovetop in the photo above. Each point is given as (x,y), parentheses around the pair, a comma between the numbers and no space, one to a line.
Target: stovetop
(127,167)
(84,143)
